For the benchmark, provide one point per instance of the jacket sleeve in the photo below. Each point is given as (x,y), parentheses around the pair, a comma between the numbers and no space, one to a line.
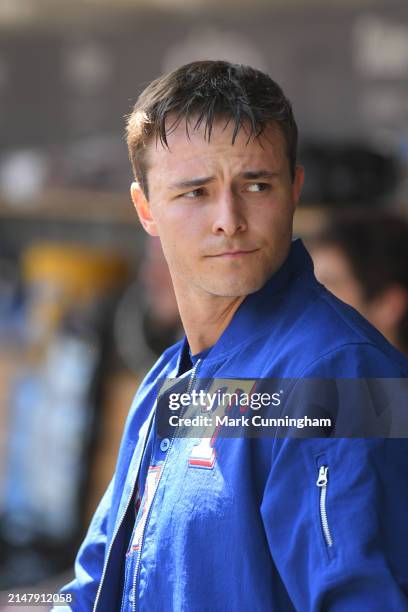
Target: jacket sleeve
(342,545)
(363,563)
(89,561)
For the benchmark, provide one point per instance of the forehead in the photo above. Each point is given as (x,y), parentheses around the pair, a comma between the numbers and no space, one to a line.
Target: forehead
(190,151)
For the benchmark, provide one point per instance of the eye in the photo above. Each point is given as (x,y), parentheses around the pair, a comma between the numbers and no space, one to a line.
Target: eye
(194,193)
(257,187)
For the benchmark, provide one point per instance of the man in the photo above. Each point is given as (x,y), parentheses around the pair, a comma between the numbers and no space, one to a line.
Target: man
(363,261)
(240,523)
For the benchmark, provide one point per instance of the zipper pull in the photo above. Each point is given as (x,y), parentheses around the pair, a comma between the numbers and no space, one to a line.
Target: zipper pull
(322,479)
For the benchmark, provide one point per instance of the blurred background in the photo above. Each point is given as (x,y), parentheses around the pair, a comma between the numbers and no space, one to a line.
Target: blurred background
(86,302)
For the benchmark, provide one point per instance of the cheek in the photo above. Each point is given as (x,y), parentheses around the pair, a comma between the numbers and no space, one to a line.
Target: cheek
(271,218)
(176,217)
(178,242)
(185,231)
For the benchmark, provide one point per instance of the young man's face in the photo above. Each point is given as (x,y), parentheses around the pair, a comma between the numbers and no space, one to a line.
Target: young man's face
(223,212)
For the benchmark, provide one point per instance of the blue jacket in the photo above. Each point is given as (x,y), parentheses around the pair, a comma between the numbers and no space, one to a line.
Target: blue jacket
(275,523)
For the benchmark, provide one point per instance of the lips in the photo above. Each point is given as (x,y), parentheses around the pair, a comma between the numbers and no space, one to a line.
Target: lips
(235,253)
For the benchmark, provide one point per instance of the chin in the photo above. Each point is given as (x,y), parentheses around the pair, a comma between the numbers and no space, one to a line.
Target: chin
(237,288)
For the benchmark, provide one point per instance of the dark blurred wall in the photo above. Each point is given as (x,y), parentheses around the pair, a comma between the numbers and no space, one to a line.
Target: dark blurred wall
(345,68)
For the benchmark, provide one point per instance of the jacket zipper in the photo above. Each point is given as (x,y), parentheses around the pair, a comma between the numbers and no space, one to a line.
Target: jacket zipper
(321,482)
(111,546)
(118,526)
(139,553)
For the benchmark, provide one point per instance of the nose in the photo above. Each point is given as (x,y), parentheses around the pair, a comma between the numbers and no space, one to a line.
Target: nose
(229,215)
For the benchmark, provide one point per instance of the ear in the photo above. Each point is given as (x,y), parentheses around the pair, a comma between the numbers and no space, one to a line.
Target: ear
(298,184)
(143,209)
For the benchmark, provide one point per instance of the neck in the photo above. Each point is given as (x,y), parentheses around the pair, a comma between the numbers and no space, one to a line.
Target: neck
(205,317)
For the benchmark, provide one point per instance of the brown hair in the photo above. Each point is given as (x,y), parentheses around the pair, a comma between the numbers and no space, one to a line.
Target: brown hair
(206,91)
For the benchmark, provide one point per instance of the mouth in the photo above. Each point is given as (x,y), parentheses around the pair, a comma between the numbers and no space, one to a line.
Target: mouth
(234,254)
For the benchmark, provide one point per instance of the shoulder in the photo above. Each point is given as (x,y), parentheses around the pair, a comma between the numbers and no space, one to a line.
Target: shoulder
(146,393)
(345,343)
(319,333)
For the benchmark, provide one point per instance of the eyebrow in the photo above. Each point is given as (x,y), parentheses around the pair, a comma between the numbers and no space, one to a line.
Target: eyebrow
(250,175)
(258,174)
(192,183)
